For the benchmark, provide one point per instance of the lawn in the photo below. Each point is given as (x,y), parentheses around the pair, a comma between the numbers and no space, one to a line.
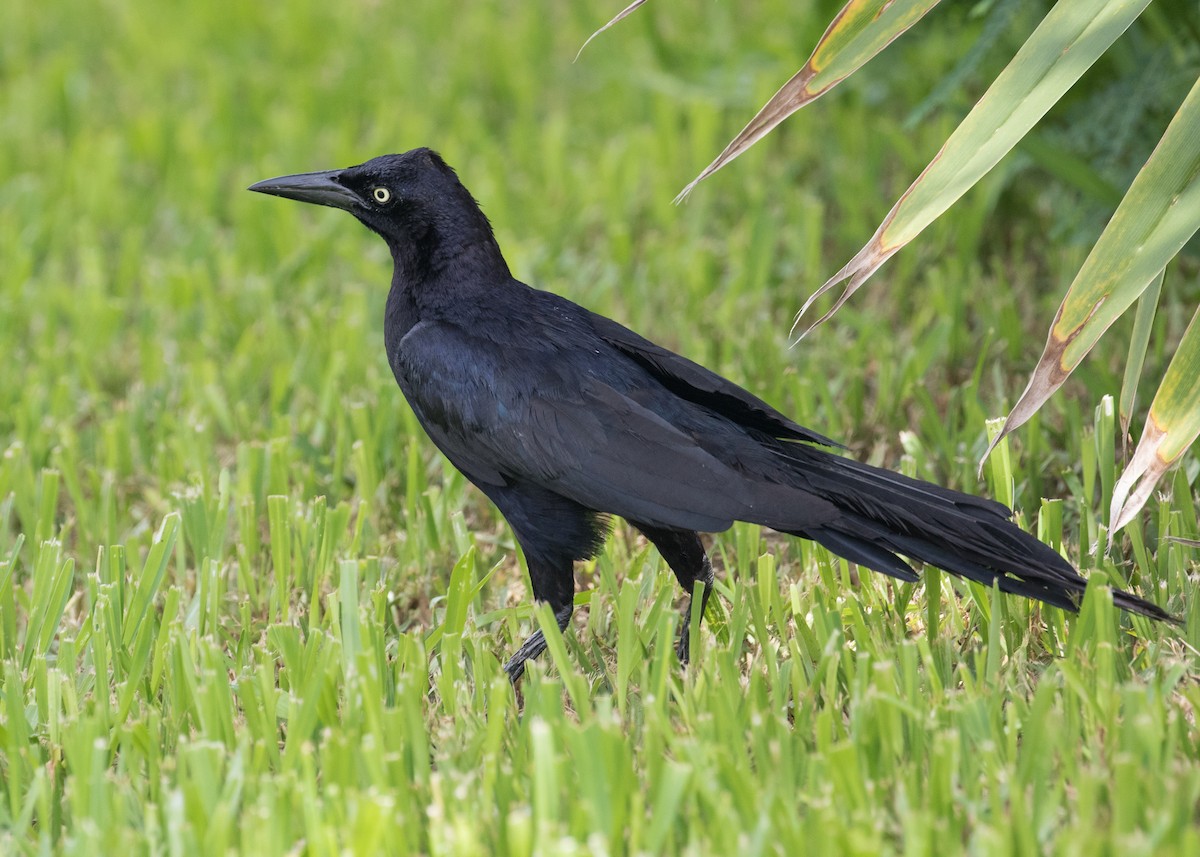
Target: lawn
(247,608)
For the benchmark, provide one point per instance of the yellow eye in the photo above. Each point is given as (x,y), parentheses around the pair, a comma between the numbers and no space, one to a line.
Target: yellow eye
(382,195)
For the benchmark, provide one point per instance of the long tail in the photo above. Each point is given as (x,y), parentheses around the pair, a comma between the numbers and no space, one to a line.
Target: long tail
(885,513)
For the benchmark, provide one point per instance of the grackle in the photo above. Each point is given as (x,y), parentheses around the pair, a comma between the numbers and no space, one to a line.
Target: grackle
(563,417)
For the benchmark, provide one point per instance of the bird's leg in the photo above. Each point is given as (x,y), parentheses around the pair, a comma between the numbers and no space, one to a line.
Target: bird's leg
(705,575)
(684,553)
(534,645)
(555,585)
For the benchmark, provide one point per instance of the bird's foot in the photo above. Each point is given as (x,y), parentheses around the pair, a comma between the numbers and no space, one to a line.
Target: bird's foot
(515,668)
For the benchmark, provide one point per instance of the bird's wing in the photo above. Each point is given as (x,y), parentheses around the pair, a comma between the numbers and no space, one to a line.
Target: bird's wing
(516,415)
(701,386)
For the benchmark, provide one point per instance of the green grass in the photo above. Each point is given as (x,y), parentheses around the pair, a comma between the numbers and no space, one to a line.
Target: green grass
(245,607)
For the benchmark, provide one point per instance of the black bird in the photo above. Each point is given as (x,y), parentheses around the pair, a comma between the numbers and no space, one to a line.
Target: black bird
(563,417)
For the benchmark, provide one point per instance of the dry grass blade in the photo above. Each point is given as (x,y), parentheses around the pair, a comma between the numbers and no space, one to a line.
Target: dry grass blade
(620,16)
(859,31)
(1190,543)
(1172,426)
(856,272)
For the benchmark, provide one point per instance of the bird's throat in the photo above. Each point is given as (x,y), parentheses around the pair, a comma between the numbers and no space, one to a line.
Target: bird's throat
(434,275)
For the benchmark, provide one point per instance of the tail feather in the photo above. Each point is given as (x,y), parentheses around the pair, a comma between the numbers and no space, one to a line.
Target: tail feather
(864,553)
(885,513)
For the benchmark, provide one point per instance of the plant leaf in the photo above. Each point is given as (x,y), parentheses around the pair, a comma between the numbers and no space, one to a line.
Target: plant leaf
(861,30)
(620,16)
(1159,213)
(1171,427)
(1067,42)
(1139,341)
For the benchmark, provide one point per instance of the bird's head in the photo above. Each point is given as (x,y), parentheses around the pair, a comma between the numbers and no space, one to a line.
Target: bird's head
(414,201)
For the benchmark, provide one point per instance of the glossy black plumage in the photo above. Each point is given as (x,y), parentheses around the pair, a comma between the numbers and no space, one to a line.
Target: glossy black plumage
(562,417)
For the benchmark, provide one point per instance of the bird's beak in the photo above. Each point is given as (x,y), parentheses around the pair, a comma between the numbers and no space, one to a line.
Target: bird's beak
(319,188)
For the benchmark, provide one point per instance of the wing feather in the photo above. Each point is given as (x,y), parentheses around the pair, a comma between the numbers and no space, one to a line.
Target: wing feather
(704,387)
(576,433)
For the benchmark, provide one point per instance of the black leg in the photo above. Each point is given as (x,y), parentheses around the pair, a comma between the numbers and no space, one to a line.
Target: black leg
(553,532)
(537,642)
(535,645)
(684,553)
(554,583)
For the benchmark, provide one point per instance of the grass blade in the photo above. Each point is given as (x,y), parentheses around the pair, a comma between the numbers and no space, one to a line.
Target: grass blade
(1139,341)
(151,578)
